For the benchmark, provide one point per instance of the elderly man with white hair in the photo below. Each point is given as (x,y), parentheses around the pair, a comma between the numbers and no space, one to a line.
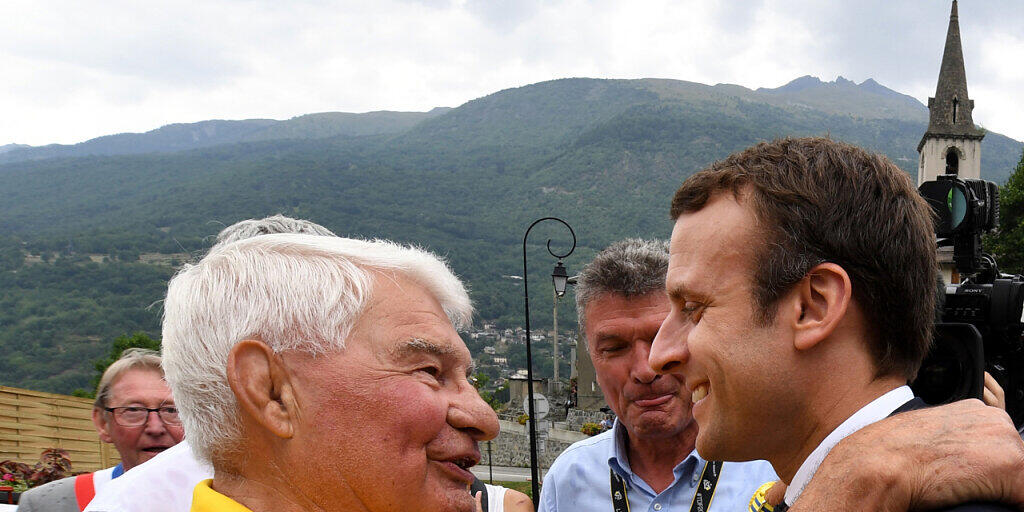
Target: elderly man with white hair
(165,484)
(323,373)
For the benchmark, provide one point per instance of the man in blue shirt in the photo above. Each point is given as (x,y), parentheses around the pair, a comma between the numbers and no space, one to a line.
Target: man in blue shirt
(648,457)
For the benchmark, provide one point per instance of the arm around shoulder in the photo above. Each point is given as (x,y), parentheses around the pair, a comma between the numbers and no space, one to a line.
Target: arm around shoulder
(924,460)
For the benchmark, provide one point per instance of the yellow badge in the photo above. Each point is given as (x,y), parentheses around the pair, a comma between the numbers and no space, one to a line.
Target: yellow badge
(759,502)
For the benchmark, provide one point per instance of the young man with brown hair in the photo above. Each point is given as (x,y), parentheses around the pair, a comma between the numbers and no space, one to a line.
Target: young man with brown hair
(801,276)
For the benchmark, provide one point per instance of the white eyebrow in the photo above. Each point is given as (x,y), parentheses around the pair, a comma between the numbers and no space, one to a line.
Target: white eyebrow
(422,346)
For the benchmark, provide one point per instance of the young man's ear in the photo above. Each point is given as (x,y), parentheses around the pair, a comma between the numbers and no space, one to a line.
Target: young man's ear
(262,386)
(823,297)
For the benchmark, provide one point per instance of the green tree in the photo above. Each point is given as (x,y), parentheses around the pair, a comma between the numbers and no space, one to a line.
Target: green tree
(1008,243)
(479,381)
(121,343)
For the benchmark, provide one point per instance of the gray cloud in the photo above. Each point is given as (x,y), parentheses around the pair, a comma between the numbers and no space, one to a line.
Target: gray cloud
(76,71)
(504,16)
(901,42)
(176,52)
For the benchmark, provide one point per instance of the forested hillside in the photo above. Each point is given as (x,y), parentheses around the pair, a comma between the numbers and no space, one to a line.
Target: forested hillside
(86,242)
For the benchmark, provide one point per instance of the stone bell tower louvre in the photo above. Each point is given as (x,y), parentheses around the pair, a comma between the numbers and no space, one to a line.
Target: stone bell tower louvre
(952,144)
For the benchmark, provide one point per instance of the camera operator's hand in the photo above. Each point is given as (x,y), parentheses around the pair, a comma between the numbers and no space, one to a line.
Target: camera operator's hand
(920,460)
(993,394)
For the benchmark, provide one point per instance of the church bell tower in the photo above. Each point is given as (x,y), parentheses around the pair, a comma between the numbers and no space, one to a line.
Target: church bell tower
(952,145)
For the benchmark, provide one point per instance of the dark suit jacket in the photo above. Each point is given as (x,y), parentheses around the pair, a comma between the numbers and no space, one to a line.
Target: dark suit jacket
(917,403)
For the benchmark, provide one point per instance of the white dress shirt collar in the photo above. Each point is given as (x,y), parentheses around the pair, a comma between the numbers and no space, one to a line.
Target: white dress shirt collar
(878,409)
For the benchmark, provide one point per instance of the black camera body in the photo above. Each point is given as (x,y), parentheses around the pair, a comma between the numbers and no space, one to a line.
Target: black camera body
(979,321)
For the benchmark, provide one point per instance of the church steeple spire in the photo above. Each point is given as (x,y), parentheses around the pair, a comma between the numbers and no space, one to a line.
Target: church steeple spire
(951,108)
(952,145)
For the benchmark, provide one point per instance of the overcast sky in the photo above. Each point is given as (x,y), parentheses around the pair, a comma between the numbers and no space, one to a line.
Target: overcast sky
(73,70)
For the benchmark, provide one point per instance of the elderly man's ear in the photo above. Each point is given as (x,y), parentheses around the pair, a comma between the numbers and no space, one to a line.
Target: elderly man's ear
(262,386)
(99,419)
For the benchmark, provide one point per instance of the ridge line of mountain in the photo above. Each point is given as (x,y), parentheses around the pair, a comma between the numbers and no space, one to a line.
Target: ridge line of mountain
(869,99)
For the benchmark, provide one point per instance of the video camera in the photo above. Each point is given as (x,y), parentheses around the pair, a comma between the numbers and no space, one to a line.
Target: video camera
(979,323)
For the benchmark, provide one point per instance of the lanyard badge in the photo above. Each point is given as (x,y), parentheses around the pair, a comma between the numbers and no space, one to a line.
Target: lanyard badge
(701,499)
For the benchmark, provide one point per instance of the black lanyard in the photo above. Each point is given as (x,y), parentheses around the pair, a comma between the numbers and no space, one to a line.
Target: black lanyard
(701,499)
(620,503)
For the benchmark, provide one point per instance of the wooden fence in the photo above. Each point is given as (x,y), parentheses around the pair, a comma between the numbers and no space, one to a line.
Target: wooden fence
(32,421)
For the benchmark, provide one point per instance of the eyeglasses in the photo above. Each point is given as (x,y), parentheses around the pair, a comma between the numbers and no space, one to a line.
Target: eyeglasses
(135,416)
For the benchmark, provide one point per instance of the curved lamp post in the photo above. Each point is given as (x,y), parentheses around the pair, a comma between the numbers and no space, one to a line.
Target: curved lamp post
(559,278)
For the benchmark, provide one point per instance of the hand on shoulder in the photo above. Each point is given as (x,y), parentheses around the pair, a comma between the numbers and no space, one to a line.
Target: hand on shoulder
(920,460)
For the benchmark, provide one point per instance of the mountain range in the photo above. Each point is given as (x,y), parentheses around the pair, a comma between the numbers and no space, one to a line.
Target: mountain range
(182,136)
(91,231)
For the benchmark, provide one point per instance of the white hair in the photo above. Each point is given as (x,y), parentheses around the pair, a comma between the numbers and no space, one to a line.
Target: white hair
(291,291)
(134,358)
(267,226)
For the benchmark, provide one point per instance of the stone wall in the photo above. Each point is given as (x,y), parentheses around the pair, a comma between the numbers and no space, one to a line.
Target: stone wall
(577,417)
(512,446)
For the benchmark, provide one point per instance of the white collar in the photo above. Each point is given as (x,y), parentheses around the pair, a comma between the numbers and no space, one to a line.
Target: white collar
(878,409)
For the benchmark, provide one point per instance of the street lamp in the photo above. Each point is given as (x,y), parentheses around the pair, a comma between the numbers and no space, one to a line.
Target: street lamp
(560,278)
(559,275)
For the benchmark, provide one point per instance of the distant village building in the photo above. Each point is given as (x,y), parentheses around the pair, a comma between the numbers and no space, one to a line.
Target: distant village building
(589,396)
(515,337)
(517,386)
(952,144)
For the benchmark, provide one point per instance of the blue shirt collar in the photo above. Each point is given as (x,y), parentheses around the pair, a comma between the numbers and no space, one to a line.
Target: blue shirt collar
(618,460)
(118,471)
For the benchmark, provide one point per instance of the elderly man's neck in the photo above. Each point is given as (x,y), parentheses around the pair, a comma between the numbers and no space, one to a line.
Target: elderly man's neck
(653,458)
(262,495)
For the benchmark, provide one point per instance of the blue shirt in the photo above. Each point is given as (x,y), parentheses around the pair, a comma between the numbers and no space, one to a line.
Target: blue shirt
(579,480)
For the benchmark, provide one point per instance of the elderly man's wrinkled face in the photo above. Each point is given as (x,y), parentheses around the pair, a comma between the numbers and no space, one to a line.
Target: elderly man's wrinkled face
(392,421)
(139,443)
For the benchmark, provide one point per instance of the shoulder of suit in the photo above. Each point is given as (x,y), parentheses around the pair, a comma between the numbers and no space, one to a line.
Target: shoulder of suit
(980,507)
(55,496)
